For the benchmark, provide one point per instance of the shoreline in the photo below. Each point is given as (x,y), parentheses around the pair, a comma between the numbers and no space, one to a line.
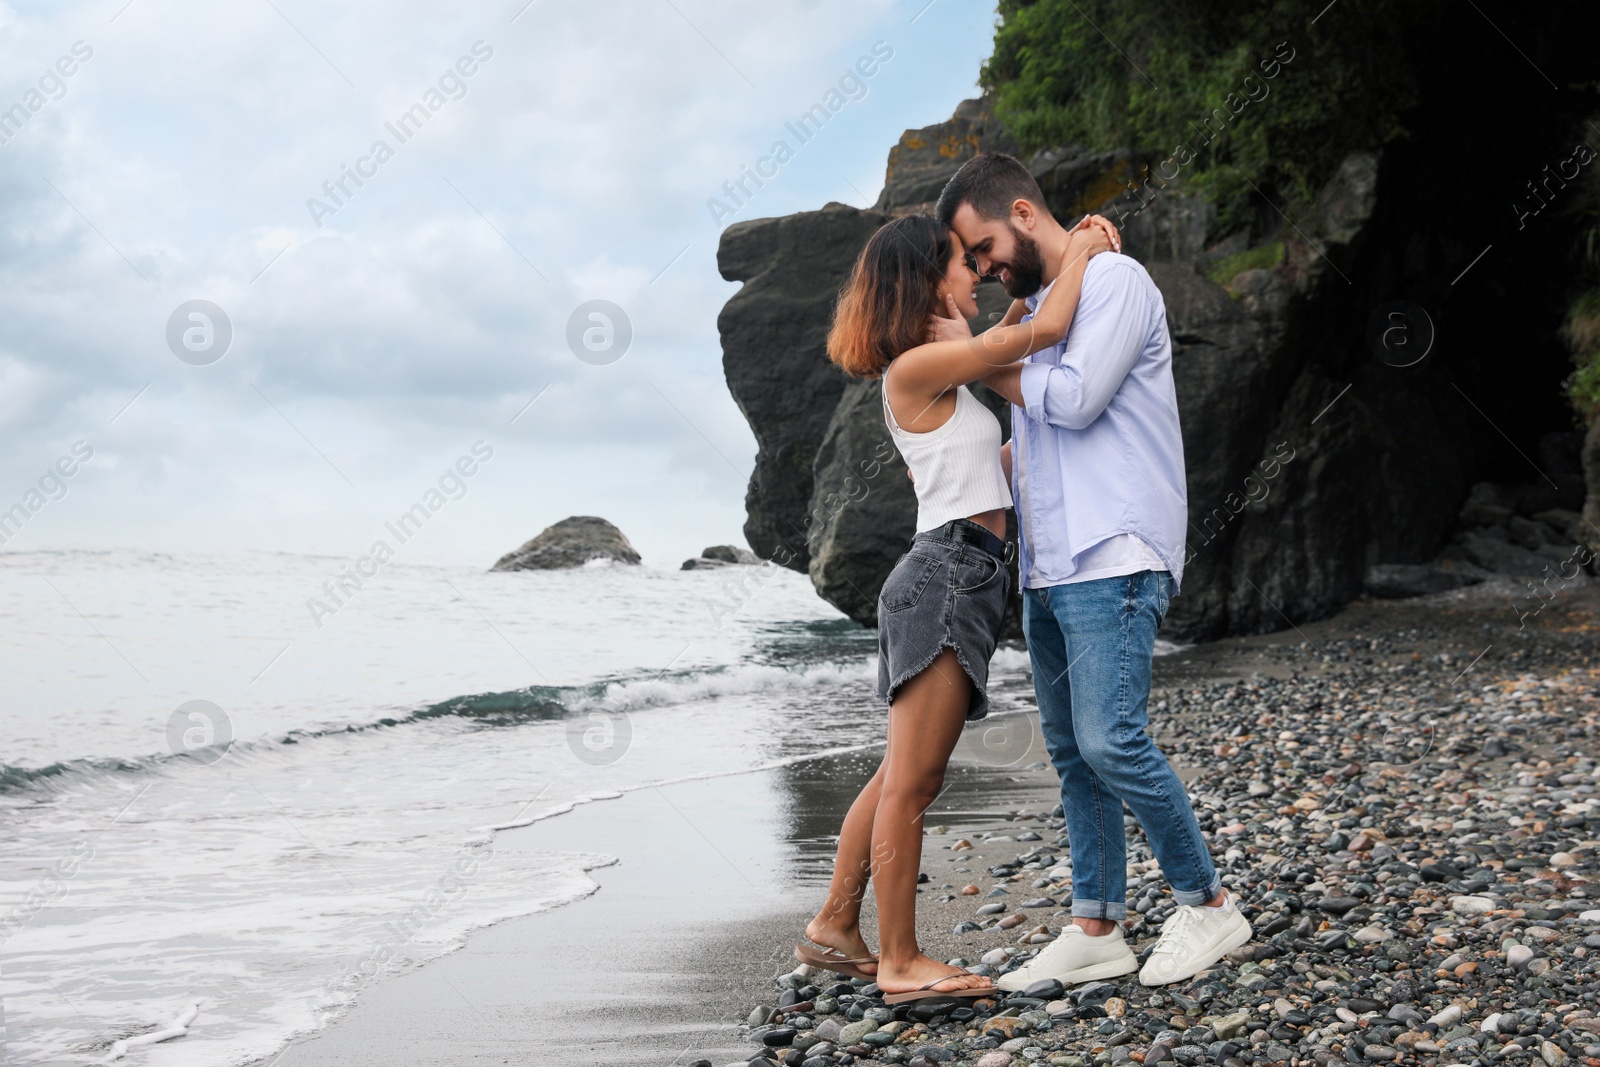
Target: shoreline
(625,974)
(678,956)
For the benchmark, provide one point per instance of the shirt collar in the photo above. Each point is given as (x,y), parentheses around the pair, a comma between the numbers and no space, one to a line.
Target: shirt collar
(1033,301)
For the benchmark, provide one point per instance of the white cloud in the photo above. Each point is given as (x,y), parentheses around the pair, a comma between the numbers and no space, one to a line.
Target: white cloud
(416,320)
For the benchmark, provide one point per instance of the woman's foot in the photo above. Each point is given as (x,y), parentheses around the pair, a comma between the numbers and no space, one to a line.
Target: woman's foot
(846,941)
(922,970)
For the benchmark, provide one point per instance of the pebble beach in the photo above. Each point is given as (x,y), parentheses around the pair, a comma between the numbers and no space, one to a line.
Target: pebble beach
(1403,799)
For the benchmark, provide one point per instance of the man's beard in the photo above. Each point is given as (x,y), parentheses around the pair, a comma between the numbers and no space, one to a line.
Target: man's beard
(1026,267)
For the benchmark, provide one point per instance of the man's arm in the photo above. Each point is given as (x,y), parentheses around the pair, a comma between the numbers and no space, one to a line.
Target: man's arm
(1099,355)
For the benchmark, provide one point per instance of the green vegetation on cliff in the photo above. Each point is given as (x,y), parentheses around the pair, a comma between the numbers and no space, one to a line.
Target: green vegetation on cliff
(1287,99)
(1234,96)
(1582,328)
(1583,334)
(1263,257)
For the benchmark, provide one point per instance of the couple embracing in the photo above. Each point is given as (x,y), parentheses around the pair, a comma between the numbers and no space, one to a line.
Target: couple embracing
(1095,471)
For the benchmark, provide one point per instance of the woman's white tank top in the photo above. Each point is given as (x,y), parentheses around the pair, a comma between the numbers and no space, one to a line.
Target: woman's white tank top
(956,468)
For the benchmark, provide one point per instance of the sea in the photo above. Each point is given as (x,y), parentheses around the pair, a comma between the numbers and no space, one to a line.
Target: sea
(241,788)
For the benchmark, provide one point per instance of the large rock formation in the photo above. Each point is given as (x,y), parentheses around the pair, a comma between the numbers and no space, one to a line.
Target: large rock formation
(1312,455)
(1590,530)
(829,495)
(570,543)
(924,159)
(773,335)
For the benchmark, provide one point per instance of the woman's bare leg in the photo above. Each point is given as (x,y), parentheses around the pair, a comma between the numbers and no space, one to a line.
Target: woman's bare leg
(838,924)
(924,723)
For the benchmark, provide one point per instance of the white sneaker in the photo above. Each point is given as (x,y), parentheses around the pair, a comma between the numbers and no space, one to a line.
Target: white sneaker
(1192,939)
(1074,957)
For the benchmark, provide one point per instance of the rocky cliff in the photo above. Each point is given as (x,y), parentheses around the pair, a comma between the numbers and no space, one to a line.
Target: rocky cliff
(773,335)
(829,496)
(1591,509)
(1317,444)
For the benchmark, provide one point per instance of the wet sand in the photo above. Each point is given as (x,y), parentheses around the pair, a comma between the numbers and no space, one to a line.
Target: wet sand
(714,882)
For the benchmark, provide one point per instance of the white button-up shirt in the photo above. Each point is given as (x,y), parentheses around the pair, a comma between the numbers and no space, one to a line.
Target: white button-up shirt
(1097,464)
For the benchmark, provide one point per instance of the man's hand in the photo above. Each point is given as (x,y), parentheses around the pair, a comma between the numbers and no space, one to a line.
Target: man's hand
(948,328)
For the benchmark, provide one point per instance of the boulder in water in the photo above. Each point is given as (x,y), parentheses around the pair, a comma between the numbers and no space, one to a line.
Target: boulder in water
(721,556)
(570,543)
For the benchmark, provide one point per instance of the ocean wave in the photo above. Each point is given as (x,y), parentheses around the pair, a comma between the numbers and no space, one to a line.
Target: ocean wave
(695,776)
(631,694)
(1013,659)
(514,707)
(63,774)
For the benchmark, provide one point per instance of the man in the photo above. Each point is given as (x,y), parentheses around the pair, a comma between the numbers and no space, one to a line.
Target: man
(1096,461)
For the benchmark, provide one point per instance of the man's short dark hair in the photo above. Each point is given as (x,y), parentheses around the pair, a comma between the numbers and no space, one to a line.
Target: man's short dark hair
(991,182)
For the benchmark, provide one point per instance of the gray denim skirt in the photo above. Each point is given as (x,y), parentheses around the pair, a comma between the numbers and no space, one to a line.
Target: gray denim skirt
(942,594)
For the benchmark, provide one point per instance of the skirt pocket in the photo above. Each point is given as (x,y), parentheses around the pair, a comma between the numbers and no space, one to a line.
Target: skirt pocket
(978,573)
(906,582)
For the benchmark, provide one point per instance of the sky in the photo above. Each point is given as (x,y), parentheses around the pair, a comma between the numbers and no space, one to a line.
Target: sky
(231,319)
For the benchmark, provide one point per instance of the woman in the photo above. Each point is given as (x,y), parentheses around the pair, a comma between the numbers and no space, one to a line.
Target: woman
(940,610)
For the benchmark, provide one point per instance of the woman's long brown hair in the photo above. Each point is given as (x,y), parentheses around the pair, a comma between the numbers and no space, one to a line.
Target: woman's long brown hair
(884,305)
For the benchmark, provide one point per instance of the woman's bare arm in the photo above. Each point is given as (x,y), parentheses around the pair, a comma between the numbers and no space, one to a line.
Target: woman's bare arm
(1013,314)
(1007,381)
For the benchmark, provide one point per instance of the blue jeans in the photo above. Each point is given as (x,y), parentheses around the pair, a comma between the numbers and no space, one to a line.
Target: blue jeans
(1091,644)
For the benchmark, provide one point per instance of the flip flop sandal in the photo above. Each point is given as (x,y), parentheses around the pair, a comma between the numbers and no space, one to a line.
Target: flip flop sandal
(831,959)
(927,992)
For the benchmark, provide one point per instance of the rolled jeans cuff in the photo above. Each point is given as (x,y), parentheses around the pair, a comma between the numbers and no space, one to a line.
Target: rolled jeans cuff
(1100,909)
(1192,897)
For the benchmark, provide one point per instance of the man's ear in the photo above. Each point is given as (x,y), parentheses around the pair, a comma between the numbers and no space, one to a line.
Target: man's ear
(1023,212)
